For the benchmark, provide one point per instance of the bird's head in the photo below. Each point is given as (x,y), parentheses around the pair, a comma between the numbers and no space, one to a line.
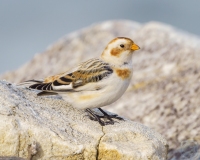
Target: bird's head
(119,51)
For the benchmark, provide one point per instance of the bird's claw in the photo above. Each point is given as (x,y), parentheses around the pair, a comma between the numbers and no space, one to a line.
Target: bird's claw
(98,118)
(103,123)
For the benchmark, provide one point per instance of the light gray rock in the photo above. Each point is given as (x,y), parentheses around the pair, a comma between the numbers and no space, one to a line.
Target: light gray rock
(63,132)
(188,150)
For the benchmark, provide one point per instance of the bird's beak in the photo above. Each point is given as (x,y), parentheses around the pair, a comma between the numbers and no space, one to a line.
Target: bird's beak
(135,47)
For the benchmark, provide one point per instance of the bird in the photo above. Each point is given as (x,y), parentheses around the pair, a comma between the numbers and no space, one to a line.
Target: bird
(95,83)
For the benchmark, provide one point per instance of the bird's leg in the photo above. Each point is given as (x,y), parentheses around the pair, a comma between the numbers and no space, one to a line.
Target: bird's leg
(95,117)
(115,116)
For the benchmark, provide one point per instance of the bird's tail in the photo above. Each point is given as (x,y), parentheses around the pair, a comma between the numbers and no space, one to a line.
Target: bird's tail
(30,82)
(39,85)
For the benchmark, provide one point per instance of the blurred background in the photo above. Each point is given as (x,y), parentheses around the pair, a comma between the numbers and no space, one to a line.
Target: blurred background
(28,27)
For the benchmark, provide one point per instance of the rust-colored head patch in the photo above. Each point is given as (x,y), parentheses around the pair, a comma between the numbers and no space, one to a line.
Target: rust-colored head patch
(115,52)
(123,73)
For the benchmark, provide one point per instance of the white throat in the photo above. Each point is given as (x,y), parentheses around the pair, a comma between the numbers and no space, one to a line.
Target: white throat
(124,58)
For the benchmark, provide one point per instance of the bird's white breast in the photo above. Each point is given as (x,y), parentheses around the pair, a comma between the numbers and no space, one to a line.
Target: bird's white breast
(107,91)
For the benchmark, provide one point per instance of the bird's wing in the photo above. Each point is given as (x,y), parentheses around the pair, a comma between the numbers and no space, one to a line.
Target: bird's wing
(89,72)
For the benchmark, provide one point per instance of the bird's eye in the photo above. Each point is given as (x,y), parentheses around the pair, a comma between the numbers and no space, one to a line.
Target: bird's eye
(121,45)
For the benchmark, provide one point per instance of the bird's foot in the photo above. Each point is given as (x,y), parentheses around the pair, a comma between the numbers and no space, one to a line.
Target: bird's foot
(101,122)
(106,115)
(109,118)
(114,116)
(98,118)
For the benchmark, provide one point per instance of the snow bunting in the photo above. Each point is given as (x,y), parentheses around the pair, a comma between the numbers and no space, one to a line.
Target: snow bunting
(95,83)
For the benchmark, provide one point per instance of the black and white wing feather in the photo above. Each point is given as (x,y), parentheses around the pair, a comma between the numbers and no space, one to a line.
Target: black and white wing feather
(89,72)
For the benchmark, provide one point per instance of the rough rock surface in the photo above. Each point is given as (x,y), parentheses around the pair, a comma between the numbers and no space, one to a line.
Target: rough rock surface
(165,89)
(63,132)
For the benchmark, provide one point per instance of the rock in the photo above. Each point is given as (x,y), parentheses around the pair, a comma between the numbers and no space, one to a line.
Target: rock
(164,92)
(31,149)
(63,132)
(187,150)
